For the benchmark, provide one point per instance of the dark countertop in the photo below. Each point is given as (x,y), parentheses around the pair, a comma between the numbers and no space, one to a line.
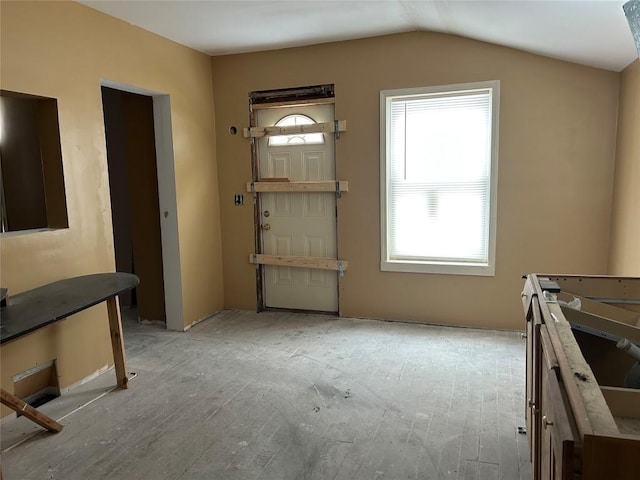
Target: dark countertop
(44,305)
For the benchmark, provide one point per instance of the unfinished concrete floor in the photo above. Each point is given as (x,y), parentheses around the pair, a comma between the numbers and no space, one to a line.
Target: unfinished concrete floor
(284,396)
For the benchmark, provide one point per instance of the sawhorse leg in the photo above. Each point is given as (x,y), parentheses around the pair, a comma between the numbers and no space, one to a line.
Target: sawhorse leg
(14,403)
(117,342)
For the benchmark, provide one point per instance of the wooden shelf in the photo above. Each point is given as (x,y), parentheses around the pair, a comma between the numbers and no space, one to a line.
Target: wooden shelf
(328,127)
(302,262)
(601,319)
(308,186)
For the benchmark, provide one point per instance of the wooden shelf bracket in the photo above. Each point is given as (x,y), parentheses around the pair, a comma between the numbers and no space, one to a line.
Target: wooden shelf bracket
(302,262)
(336,127)
(337,186)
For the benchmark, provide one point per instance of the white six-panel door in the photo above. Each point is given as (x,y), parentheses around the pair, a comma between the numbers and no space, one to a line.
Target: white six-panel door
(299,223)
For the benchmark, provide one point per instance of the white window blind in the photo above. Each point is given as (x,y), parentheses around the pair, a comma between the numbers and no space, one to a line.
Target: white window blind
(439,154)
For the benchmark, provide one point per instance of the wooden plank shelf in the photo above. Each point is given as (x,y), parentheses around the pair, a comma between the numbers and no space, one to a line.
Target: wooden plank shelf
(306,186)
(328,127)
(302,262)
(601,319)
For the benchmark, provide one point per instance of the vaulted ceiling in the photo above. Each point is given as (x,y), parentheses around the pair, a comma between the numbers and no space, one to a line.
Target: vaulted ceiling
(593,33)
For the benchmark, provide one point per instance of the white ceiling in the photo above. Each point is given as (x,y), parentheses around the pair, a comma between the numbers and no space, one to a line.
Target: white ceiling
(593,33)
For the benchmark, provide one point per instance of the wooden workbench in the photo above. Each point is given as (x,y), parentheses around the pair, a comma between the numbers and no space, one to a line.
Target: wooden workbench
(42,306)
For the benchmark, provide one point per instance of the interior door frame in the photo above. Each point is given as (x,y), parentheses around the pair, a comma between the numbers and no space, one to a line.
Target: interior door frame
(167,201)
(268,99)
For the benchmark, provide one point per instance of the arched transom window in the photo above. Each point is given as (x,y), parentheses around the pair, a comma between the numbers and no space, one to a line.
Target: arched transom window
(296,138)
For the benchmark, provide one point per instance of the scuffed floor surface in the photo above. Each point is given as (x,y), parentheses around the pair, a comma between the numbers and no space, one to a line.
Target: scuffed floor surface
(289,397)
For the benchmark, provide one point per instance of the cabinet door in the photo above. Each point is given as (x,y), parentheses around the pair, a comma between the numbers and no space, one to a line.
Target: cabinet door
(607,458)
(532,398)
(557,426)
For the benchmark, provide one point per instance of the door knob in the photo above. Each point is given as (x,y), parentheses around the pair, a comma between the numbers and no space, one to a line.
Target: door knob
(546,422)
(266,226)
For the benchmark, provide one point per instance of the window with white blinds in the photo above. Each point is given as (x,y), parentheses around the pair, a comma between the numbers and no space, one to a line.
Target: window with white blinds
(439,165)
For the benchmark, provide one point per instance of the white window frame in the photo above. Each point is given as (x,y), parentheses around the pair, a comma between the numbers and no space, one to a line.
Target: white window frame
(431,266)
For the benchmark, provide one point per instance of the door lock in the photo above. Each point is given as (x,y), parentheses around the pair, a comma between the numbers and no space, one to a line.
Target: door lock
(266,226)
(266,213)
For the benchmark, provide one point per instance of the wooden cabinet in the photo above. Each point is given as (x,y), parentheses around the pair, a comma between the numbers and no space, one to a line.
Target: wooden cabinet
(579,425)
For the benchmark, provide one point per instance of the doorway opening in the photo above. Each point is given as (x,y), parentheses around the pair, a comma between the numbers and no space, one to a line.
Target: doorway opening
(143,201)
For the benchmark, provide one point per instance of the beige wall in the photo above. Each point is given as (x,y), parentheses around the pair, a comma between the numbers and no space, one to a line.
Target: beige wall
(625,224)
(63,50)
(556,159)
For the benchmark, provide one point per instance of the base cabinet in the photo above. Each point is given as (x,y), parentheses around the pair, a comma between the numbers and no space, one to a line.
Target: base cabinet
(557,437)
(573,422)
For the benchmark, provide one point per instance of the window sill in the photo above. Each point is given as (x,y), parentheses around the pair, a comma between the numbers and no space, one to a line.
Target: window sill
(16,233)
(442,268)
